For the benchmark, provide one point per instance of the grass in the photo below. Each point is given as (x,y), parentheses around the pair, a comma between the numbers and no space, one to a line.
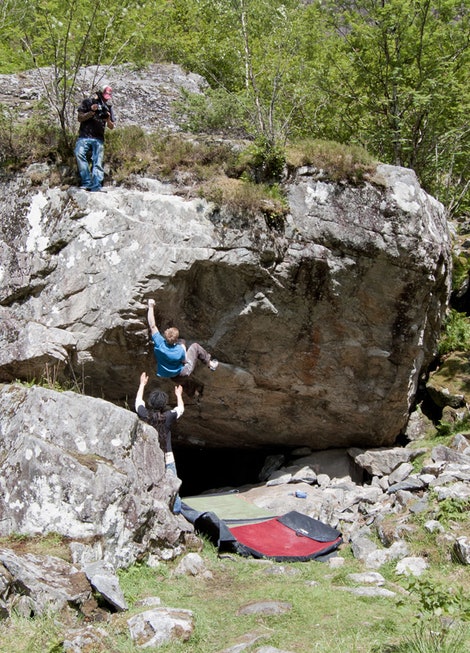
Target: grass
(339,162)
(311,625)
(428,614)
(241,175)
(52,544)
(324,616)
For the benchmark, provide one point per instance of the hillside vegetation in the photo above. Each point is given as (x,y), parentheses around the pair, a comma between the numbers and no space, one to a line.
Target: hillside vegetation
(389,76)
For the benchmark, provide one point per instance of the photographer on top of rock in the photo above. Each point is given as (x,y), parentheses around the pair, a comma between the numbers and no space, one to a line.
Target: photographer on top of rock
(94,114)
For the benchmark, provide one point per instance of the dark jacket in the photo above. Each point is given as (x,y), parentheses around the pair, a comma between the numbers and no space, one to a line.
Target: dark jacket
(94,127)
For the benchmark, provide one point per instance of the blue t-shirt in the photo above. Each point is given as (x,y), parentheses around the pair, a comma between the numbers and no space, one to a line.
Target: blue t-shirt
(170,358)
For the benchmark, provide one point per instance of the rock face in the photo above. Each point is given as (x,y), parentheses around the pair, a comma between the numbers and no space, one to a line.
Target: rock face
(143,97)
(85,469)
(322,325)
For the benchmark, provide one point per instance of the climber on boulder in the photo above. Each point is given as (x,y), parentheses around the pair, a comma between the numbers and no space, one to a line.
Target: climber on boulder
(174,361)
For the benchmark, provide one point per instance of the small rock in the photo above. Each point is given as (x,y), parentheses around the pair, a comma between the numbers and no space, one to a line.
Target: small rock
(161,626)
(461,550)
(411,566)
(265,607)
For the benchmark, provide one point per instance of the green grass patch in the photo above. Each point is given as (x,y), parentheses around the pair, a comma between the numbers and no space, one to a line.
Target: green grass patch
(324,616)
(244,199)
(53,544)
(339,162)
(321,610)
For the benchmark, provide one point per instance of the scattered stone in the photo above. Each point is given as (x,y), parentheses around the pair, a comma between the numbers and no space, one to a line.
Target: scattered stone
(448,455)
(335,562)
(380,461)
(419,426)
(370,578)
(370,591)
(434,526)
(412,484)
(400,473)
(49,583)
(86,639)
(461,550)
(281,570)
(304,475)
(270,649)
(461,443)
(362,547)
(245,642)
(419,506)
(149,602)
(411,566)
(161,626)
(103,579)
(192,565)
(265,607)
(455,491)
(279,477)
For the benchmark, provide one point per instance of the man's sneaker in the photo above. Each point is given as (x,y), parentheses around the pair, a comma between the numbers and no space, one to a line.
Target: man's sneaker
(213,363)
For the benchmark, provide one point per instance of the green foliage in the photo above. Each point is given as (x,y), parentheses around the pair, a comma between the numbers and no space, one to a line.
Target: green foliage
(218,110)
(130,150)
(50,544)
(57,377)
(391,76)
(437,599)
(23,143)
(456,336)
(263,161)
(460,271)
(405,64)
(244,198)
(452,510)
(445,429)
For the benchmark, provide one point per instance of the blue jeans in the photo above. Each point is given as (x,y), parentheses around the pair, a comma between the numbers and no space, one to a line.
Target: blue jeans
(93,148)
(171,468)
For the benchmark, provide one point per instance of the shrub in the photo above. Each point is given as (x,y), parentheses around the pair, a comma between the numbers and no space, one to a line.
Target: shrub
(339,162)
(437,599)
(241,197)
(215,111)
(460,271)
(452,510)
(456,335)
(23,143)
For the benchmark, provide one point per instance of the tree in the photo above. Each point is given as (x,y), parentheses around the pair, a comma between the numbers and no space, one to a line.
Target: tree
(66,37)
(251,51)
(403,87)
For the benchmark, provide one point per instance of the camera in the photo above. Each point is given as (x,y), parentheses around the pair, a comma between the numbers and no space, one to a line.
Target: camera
(102,111)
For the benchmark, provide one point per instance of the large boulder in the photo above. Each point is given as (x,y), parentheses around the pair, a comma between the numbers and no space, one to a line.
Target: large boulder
(323,324)
(88,470)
